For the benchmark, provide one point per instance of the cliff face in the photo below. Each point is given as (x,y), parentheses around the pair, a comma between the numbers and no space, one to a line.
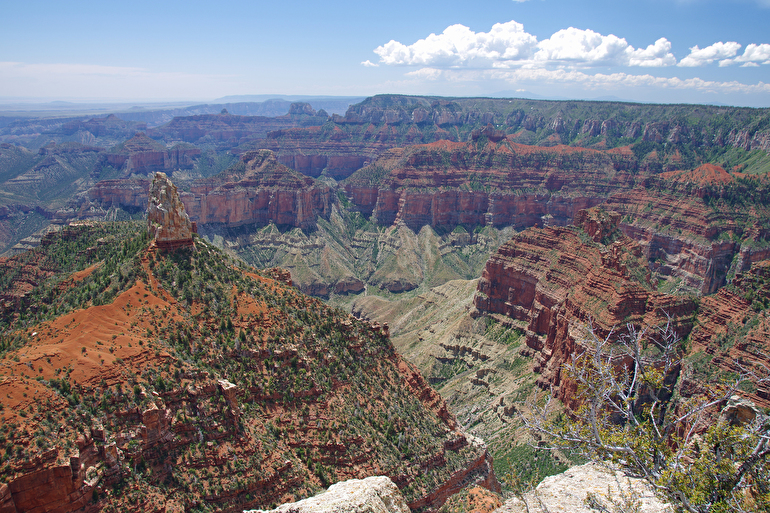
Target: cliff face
(265,192)
(732,332)
(497,184)
(142,155)
(370,128)
(548,279)
(259,192)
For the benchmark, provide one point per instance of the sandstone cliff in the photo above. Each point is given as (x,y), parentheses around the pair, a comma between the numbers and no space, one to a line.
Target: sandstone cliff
(379,123)
(549,279)
(261,191)
(142,155)
(494,183)
(585,489)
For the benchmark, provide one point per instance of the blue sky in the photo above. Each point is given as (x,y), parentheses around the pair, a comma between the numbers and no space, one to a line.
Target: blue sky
(695,51)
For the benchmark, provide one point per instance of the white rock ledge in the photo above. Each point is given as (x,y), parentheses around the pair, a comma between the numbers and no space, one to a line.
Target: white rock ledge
(569,492)
(376,494)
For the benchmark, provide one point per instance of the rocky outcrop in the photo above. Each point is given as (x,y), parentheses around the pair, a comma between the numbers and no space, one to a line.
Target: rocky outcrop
(552,279)
(141,155)
(167,221)
(375,494)
(263,191)
(259,192)
(586,489)
(499,184)
(127,194)
(228,131)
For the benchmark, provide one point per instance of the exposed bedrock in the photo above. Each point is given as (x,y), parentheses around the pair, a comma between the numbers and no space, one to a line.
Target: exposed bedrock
(554,279)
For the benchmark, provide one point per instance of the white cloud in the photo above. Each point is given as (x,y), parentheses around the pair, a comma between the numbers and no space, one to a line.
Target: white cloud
(717,52)
(598,81)
(655,55)
(508,45)
(370,64)
(582,48)
(460,46)
(753,56)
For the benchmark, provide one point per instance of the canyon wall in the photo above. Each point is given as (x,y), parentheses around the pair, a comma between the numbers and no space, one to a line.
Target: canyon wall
(370,128)
(142,155)
(552,280)
(264,192)
(267,192)
(498,184)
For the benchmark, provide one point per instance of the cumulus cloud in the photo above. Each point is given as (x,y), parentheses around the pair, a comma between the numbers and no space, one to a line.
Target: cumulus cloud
(369,64)
(460,46)
(717,52)
(582,48)
(508,45)
(655,55)
(753,55)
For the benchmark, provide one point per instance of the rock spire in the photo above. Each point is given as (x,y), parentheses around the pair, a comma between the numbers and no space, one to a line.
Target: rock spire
(167,221)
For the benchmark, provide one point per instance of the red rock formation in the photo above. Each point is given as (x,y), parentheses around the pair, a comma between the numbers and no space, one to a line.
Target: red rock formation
(264,192)
(549,279)
(142,155)
(732,334)
(501,184)
(167,221)
(267,192)
(225,130)
(123,193)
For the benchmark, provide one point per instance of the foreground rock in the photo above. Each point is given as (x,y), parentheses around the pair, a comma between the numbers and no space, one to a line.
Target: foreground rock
(586,489)
(376,494)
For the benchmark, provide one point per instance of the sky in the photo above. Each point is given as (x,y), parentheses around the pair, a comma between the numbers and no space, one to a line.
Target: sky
(660,51)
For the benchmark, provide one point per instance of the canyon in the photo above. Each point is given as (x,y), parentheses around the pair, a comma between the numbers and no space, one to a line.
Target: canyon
(475,237)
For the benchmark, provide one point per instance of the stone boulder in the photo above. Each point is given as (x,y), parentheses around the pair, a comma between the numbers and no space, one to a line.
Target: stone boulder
(586,489)
(376,494)
(167,219)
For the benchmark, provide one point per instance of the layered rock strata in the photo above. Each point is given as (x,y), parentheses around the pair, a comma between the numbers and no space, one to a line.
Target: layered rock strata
(379,123)
(142,155)
(551,280)
(499,184)
(261,192)
(264,427)
(168,223)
